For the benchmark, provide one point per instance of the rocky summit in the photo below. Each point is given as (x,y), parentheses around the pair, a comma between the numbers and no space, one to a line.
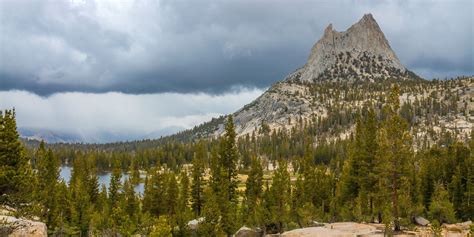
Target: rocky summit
(345,72)
(361,52)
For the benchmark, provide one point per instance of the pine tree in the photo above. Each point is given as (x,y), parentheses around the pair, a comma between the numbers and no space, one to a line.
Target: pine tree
(229,158)
(134,172)
(147,193)
(266,211)
(16,176)
(356,189)
(441,209)
(347,189)
(115,186)
(184,189)
(468,200)
(172,194)
(253,192)
(301,209)
(395,153)
(228,178)
(197,185)
(64,205)
(81,206)
(154,199)
(91,180)
(48,174)
(131,203)
(183,214)
(211,224)
(101,219)
(161,228)
(368,178)
(281,189)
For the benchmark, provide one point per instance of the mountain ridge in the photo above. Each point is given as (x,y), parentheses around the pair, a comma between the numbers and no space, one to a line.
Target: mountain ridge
(359,59)
(359,70)
(359,54)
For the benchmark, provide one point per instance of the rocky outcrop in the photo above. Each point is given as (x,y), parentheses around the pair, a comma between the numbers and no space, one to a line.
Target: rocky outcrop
(351,229)
(247,232)
(194,224)
(18,227)
(351,52)
(279,107)
(421,221)
(459,229)
(341,229)
(341,76)
(360,53)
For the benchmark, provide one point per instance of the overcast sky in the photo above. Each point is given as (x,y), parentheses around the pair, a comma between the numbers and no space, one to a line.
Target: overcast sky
(110,70)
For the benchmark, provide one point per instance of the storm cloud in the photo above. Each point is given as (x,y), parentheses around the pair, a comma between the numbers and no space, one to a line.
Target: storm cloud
(135,47)
(114,116)
(106,70)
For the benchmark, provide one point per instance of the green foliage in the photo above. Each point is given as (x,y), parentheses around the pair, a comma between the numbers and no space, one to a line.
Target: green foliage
(16,177)
(357,190)
(281,191)
(154,199)
(197,185)
(253,193)
(301,210)
(48,174)
(224,178)
(115,186)
(229,158)
(211,224)
(183,214)
(161,228)
(441,209)
(375,175)
(436,228)
(395,154)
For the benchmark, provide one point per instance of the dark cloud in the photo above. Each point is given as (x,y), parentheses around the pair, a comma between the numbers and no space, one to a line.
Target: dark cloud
(208,46)
(107,117)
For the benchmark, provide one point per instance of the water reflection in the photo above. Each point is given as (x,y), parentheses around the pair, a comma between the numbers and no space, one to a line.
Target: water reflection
(104,179)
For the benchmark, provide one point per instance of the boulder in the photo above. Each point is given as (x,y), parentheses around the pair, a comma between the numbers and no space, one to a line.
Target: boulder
(421,221)
(453,228)
(18,227)
(247,232)
(465,225)
(318,224)
(193,224)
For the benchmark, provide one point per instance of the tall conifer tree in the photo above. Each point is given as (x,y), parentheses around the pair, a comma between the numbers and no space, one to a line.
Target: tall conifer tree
(16,176)
(197,185)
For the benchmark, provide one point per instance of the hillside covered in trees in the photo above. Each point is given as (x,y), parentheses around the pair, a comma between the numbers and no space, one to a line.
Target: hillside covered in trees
(276,181)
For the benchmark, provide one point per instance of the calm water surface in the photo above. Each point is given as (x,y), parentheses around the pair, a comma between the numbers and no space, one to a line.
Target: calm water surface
(104,178)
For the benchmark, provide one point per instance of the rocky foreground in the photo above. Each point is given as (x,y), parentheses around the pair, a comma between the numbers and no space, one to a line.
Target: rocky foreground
(352,229)
(19,227)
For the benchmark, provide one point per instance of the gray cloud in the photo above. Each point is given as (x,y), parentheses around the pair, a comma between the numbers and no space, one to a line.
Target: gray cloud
(107,117)
(49,46)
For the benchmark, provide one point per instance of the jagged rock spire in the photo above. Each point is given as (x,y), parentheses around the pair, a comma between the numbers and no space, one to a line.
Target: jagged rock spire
(347,51)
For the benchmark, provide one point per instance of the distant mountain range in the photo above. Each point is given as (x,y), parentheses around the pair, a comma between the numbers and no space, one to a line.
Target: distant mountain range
(51,136)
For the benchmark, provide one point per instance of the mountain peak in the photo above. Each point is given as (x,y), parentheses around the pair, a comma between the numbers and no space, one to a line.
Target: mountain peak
(362,51)
(328,29)
(368,17)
